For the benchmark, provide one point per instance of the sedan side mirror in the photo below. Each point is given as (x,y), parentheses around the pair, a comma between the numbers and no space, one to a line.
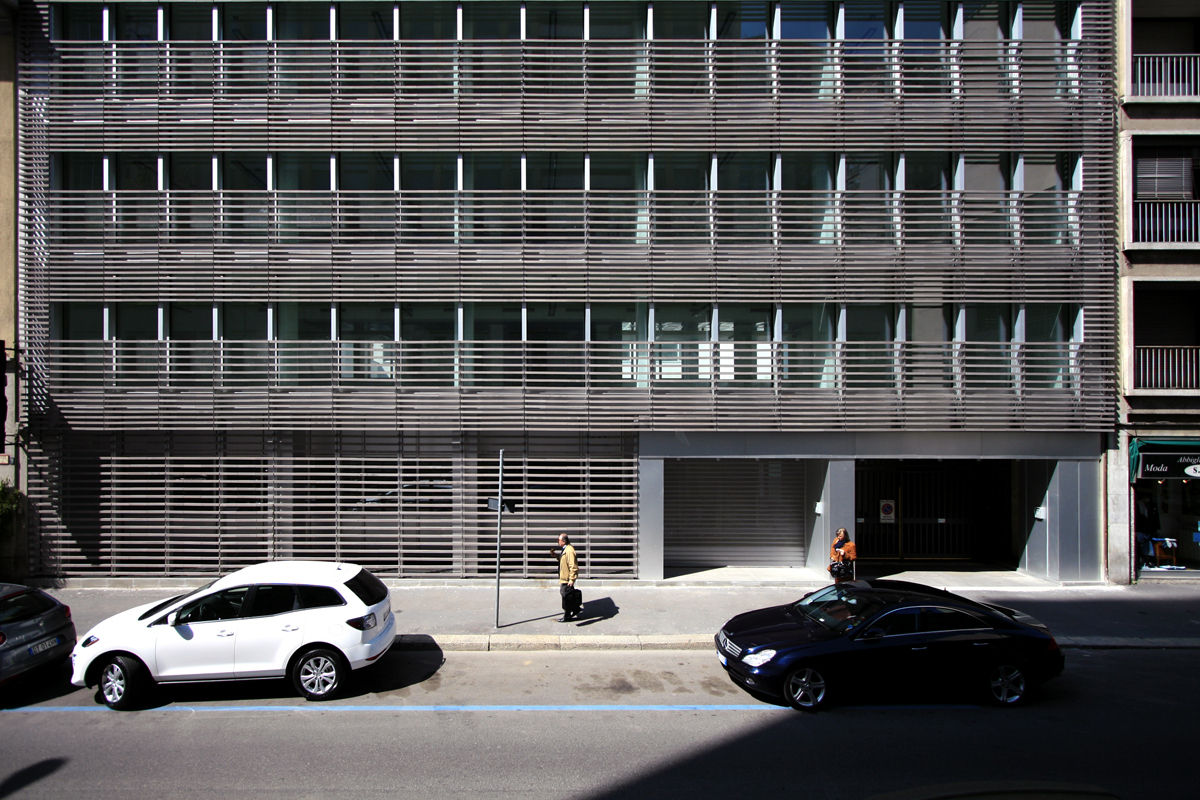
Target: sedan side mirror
(873,635)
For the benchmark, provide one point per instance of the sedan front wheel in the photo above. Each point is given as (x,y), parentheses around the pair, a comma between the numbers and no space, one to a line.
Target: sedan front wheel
(318,674)
(121,682)
(805,689)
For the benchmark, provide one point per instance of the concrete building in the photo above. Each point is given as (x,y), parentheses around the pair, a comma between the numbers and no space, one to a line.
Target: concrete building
(1155,496)
(717,278)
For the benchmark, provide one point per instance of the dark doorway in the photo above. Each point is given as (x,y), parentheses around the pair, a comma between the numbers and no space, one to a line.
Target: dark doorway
(934,510)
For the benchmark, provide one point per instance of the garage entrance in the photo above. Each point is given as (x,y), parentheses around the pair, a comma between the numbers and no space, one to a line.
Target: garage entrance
(934,510)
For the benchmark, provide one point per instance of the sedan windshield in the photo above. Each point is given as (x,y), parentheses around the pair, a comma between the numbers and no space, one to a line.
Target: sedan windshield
(839,608)
(160,606)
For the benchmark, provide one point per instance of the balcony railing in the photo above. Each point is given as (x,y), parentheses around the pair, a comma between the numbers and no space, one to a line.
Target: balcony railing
(1167,368)
(88,222)
(1167,221)
(769,385)
(1166,76)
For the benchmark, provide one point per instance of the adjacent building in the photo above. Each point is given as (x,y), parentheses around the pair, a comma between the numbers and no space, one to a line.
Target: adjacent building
(1154,489)
(715,277)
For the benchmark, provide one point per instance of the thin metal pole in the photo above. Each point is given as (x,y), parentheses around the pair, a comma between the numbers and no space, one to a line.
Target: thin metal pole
(499,511)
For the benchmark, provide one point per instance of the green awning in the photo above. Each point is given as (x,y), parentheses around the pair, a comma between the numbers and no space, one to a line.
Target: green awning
(1163,459)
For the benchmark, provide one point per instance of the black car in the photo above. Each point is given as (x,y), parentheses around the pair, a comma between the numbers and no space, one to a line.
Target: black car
(886,634)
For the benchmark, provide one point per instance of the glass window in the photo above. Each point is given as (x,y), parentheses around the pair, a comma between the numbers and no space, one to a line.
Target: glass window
(189,321)
(869,171)
(806,172)
(745,323)
(549,20)
(317,597)
(682,322)
(687,172)
(683,19)
(189,22)
(421,20)
(805,20)
(549,171)
(812,322)
(301,21)
(77,171)
(366,322)
(618,20)
(554,322)
(271,600)
(243,321)
(135,172)
(371,172)
(1047,322)
(1046,22)
(925,19)
(302,172)
(901,622)
(619,322)
(77,22)
(136,321)
(243,171)
(79,321)
(191,172)
(492,171)
(618,171)
(364,21)
(428,171)
(135,22)
(494,20)
(927,171)
(933,620)
(869,323)
(988,323)
(303,321)
(750,19)
(866,19)
(745,172)
(244,22)
(434,322)
(493,322)
(218,606)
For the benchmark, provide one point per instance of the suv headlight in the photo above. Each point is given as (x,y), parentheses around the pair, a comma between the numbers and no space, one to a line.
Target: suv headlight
(759,658)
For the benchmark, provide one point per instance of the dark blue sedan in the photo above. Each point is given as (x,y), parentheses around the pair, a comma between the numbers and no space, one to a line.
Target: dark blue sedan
(886,634)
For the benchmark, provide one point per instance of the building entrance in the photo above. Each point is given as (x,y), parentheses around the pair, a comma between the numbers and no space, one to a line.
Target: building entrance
(934,510)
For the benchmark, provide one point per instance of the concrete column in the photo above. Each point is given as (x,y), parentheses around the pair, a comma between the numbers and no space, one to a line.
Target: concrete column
(837,510)
(650,519)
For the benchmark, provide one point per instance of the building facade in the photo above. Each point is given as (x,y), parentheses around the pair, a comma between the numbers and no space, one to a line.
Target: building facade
(1153,488)
(716,277)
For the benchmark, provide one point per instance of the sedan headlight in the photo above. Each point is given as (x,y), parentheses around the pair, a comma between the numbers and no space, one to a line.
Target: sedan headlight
(759,658)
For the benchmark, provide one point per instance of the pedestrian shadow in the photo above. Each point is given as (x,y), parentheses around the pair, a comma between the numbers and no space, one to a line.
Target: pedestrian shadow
(594,611)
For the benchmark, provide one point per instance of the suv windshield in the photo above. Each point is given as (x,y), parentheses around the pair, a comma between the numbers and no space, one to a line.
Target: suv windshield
(839,607)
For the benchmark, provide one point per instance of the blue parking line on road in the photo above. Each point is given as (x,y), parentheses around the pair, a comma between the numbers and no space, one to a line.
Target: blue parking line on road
(473,708)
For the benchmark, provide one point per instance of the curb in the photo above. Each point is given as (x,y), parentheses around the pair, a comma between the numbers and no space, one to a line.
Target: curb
(687,641)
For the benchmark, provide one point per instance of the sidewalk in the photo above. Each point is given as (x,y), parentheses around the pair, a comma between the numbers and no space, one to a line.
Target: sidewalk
(685,612)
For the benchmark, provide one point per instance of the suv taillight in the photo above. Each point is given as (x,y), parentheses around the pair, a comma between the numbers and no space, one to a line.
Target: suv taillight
(363,623)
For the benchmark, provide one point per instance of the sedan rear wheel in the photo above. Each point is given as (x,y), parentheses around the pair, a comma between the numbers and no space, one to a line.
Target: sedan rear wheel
(318,674)
(805,689)
(1007,684)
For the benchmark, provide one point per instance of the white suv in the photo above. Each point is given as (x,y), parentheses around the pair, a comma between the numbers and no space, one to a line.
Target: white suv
(313,621)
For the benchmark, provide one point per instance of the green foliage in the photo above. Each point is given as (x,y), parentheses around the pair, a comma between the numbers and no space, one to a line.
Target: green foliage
(10,500)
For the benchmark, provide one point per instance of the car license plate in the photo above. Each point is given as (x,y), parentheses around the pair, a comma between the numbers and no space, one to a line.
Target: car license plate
(723,661)
(42,647)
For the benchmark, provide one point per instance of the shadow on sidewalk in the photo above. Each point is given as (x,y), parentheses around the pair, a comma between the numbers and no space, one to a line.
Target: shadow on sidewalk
(596,610)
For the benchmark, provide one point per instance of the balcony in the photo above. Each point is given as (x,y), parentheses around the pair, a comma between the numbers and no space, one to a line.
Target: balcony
(1167,368)
(1166,77)
(1166,342)
(1166,221)
(496,243)
(569,385)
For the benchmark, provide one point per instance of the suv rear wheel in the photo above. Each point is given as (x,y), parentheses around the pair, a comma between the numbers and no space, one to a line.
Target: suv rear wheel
(318,673)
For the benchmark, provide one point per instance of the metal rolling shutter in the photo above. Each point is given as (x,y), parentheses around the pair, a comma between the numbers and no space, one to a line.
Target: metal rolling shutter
(734,512)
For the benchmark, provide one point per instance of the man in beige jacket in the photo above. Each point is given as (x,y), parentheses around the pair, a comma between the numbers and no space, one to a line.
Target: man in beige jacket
(568,571)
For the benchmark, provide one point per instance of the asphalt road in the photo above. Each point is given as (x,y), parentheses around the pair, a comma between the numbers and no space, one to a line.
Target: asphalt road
(602,725)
